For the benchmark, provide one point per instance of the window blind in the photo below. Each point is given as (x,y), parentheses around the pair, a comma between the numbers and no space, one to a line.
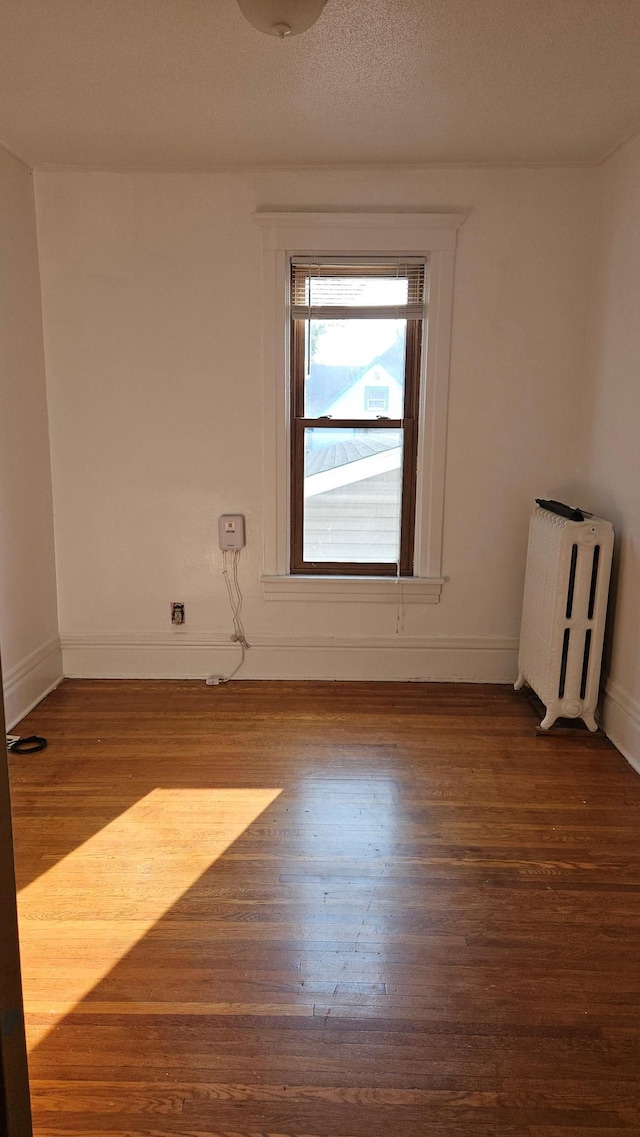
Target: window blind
(358,290)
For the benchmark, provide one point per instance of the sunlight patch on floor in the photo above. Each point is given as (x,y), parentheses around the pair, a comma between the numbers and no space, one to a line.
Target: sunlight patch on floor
(81,917)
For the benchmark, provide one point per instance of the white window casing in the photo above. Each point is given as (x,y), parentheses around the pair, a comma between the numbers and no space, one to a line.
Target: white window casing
(431,236)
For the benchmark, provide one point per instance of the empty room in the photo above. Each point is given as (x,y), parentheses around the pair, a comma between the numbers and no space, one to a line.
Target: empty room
(320,568)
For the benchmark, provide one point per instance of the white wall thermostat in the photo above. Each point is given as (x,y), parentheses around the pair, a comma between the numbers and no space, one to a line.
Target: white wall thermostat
(231,531)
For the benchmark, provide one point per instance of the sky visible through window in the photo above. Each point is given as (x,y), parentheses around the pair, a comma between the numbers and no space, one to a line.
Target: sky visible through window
(352,342)
(355,342)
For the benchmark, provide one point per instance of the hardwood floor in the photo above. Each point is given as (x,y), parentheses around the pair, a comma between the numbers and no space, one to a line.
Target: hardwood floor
(326,909)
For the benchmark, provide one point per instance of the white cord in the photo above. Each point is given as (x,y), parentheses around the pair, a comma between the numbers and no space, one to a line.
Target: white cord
(235,600)
(399,601)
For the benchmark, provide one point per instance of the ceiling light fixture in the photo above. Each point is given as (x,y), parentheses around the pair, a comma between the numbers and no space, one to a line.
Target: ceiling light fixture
(281,18)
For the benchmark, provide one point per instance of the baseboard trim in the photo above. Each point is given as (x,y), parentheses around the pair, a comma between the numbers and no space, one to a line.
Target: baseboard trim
(27,683)
(479,659)
(473,659)
(621,722)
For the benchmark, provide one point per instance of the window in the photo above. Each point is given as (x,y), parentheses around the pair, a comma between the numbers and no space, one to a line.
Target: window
(355,324)
(355,238)
(376,399)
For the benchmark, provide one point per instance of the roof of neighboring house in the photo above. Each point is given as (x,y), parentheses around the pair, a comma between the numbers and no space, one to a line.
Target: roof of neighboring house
(342,453)
(327,383)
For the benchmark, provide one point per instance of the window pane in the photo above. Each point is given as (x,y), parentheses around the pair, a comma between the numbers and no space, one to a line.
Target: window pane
(352,495)
(348,359)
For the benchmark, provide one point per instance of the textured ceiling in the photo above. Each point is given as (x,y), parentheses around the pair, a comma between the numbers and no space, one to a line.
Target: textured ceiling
(188,84)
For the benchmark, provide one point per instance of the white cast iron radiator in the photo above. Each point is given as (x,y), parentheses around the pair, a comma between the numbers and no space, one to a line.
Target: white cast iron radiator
(563,616)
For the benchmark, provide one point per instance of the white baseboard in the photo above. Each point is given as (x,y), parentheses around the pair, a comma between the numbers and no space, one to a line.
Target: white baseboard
(621,722)
(484,659)
(31,679)
(479,659)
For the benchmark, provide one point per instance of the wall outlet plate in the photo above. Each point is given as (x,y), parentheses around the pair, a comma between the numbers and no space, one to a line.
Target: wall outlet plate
(231,531)
(177,612)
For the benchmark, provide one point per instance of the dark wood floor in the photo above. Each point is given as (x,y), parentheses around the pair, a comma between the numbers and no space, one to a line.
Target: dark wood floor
(339,910)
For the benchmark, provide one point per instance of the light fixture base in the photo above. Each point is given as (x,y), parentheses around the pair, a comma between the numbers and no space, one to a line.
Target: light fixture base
(281,18)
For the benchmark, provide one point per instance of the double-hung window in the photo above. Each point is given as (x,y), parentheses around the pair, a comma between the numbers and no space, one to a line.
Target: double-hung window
(357,327)
(355,403)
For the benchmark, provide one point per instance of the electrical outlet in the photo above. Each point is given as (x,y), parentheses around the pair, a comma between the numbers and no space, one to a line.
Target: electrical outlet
(231,531)
(177,612)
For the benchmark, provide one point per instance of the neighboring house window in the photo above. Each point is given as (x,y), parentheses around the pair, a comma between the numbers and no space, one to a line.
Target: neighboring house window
(354,443)
(376,399)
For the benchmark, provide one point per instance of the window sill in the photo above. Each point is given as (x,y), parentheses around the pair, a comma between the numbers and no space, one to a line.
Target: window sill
(355,589)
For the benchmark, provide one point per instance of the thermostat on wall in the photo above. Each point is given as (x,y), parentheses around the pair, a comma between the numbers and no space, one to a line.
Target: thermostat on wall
(231,531)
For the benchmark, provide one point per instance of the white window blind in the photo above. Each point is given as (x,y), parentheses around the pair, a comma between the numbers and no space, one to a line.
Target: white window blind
(358,290)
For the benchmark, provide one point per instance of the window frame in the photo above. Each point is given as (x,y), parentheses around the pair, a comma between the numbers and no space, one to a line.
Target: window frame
(287,235)
(409,424)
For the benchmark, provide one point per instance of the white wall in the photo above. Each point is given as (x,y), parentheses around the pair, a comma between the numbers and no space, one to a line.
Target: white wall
(28,616)
(152,302)
(609,458)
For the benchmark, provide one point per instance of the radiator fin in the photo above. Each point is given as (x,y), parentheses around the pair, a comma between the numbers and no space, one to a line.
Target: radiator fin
(572,580)
(563,662)
(594,581)
(585,663)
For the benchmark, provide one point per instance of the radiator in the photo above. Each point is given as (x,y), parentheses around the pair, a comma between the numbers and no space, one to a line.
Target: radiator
(564,611)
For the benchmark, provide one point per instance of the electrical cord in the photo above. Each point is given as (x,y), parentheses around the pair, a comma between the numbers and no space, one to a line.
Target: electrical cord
(235,600)
(28,744)
(400,612)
